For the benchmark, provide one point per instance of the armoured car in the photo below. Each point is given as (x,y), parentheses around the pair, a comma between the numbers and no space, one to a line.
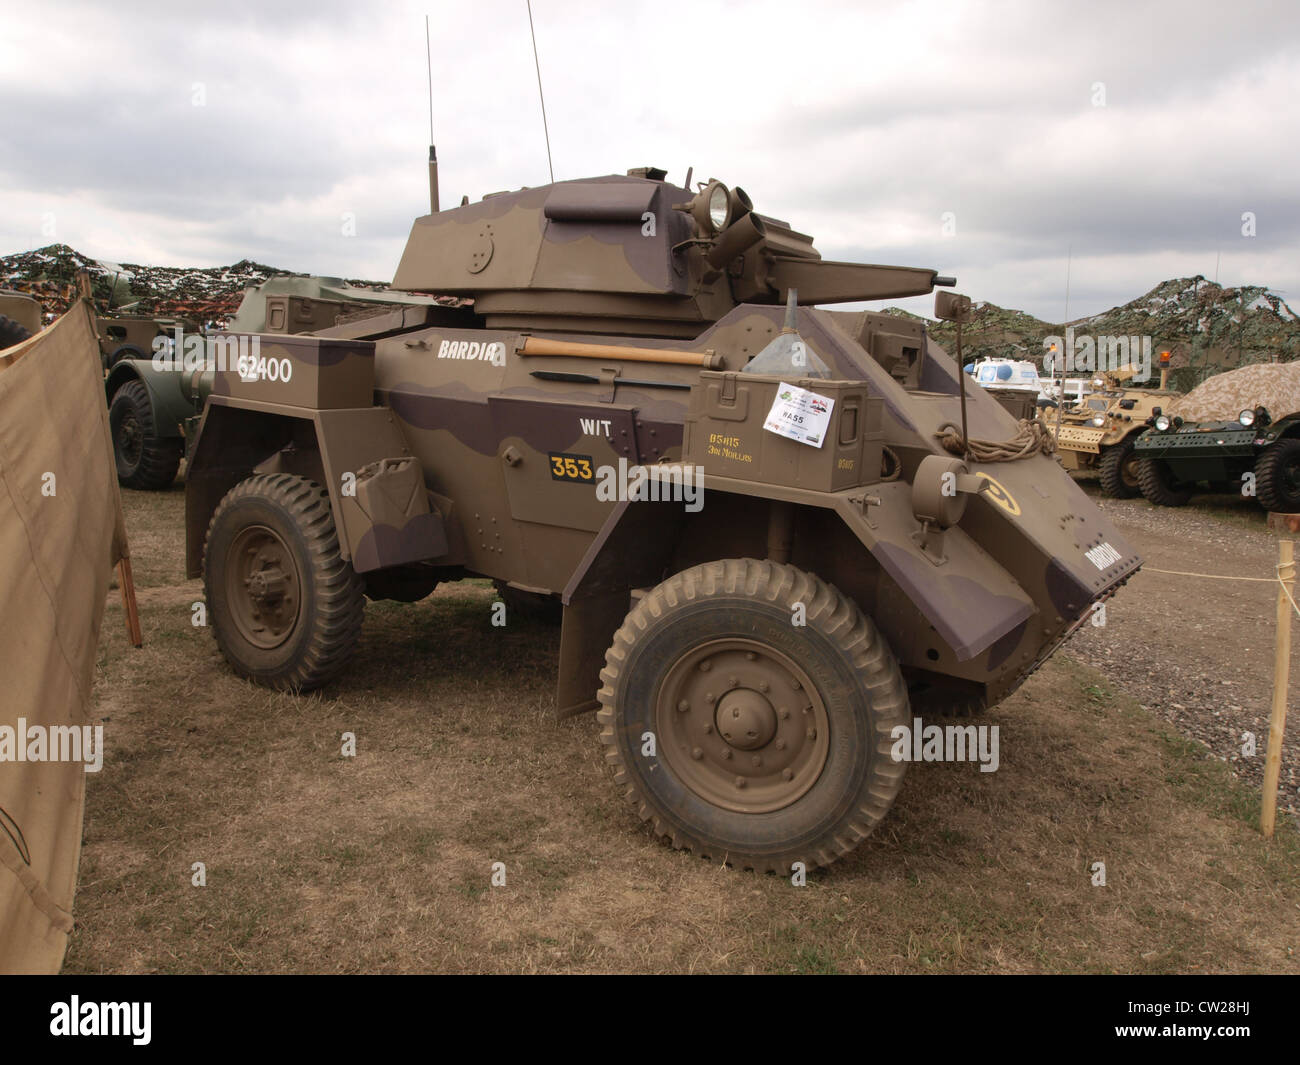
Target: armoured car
(770,548)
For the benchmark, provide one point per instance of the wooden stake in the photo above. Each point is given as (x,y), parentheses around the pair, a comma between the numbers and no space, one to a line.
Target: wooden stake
(1281,677)
(128,603)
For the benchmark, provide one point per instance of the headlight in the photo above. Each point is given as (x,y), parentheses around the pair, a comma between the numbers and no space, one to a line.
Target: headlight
(711,208)
(719,206)
(1246,417)
(1099,420)
(1162,422)
(1099,382)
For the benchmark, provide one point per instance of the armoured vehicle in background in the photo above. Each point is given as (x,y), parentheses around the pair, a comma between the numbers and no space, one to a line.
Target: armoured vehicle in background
(294,304)
(767,561)
(1100,432)
(20,317)
(133,336)
(149,409)
(1237,432)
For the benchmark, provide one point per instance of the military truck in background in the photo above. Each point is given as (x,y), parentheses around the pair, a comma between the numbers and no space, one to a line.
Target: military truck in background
(767,560)
(1101,431)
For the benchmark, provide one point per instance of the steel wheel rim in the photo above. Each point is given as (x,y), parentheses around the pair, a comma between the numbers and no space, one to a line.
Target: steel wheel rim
(1291,479)
(1128,471)
(263,587)
(742,726)
(130,438)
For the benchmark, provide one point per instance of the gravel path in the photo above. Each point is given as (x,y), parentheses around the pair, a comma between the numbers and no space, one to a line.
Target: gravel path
(1200,652)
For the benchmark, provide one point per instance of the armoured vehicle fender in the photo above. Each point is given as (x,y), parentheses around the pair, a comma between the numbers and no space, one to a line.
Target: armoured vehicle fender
(1288,426)
(918,591)
(383,513)
(171,404)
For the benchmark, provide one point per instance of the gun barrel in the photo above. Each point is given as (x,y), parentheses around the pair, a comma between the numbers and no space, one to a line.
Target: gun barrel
(819,281)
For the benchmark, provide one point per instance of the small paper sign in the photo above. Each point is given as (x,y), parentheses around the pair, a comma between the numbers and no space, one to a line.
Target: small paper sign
(800,415)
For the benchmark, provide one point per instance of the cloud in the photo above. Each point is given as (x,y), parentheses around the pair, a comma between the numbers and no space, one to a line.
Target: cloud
(1129,138)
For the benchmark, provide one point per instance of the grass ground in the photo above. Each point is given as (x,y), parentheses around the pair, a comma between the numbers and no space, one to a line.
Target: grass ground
(383,861)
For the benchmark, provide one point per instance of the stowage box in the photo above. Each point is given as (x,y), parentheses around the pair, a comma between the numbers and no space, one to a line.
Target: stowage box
(317,373)
(724,433)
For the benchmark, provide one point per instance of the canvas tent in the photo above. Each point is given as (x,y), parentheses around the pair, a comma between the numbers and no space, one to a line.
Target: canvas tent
(61,532)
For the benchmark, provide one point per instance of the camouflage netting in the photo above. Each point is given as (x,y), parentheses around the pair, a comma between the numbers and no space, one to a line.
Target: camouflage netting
(1221,398)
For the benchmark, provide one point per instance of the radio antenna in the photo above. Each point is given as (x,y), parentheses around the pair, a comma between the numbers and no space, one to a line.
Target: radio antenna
(537,63)
(433,152)
(428,60)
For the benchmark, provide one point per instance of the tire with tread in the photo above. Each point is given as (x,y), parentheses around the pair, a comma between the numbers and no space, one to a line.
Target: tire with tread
(1111,471)
(857,686)
(1158,485)
(144,459)
(1277,476)
(295,512)
(122,351)
(11,332)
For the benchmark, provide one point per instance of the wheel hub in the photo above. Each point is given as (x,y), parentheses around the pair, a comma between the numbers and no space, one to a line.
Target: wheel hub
(745,719)
(262,587)
(742,726)
(1128,472)
(267,587)
(129,437)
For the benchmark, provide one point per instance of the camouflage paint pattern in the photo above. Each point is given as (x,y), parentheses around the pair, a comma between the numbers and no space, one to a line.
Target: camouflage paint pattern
(510,459)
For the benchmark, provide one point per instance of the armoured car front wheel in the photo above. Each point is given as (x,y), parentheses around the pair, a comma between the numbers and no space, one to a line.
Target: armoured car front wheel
(1159,486)
(1118,471)
(1277,477)
(747,711)
(144,459)
(284,605)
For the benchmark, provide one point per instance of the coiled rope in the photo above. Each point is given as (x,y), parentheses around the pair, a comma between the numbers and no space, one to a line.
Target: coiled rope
(1031,438)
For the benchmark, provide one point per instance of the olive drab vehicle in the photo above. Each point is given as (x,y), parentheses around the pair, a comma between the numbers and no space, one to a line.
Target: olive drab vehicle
(767,561)
(1100,431)
(20,317)
(150,410)
(1236,432)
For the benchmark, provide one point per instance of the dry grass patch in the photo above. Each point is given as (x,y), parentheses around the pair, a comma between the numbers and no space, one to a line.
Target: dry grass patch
(382,862)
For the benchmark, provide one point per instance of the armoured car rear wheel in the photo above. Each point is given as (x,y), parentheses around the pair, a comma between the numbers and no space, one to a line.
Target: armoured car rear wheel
(1159,486)
(11,332)
(1277,477)
(1118,471)
(768,741)
(285,607)
(144,459)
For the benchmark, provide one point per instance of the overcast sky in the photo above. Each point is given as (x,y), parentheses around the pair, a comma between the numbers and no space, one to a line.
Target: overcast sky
(1131,136)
